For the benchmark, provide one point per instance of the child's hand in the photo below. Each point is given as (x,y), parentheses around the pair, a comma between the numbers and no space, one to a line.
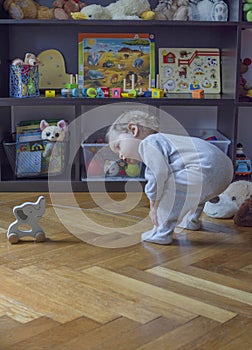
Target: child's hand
(153,212)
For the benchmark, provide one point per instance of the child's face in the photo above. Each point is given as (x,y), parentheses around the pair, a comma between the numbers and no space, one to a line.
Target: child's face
(126,146)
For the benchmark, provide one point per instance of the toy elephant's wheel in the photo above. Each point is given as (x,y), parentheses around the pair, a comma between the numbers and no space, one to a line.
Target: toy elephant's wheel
(13,238)
(40,237)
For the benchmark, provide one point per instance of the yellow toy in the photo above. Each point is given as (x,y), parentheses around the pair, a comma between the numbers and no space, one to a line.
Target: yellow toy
(157,93)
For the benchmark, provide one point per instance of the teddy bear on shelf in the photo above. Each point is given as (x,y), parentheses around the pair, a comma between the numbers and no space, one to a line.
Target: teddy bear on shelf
(64,8)
(172,10)
(227,204)
(30,60)
(119,10)
(27,9)
(52,133)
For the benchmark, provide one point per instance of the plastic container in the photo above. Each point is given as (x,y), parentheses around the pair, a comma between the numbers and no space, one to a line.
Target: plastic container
(101,163)
(24,81)
(221,141)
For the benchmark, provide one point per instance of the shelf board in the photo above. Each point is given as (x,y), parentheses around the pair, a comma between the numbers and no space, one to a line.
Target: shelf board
(178,99)
(141,23)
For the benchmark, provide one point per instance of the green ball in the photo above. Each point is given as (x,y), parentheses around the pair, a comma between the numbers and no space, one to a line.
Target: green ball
(132,170)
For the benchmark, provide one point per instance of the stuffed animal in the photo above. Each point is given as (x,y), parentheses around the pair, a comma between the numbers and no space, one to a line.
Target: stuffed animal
(30,60)
(63,9)
(52,133)
(208,10)
(244,67)
(172,10)
(243,217)
(120,10)
(227,204)
(27,9)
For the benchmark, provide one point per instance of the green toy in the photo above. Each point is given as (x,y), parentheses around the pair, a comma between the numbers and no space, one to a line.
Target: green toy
(247,8)
(132,170)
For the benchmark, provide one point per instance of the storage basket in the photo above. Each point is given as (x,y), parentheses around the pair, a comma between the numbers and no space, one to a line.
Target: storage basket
(101,162)
(24,81)
(31,163)
(213,136)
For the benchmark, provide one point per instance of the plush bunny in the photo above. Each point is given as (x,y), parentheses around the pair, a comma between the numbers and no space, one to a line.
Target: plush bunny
(52,133)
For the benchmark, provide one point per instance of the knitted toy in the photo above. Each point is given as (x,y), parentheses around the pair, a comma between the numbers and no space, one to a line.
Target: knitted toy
(227,204)
(52,133)
(244,67)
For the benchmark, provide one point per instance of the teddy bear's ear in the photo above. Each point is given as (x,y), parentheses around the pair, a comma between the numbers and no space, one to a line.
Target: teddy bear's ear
(43,124)
(62,124)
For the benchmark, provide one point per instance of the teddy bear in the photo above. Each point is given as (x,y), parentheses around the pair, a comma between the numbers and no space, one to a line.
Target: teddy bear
(172,10)
(119,10)
(64,8)
(243,85)
(227,204)
(52,133)
(27,9)
(30,60)
(208,10)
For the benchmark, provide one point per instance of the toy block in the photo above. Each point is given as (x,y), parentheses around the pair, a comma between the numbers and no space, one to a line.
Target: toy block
(198,93)
(157,93)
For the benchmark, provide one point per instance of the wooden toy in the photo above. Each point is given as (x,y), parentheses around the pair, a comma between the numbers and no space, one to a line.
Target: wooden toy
(91,92)
(198,93)
(106,91)
(116,92)
(50,93)
(157,93)
(29,214)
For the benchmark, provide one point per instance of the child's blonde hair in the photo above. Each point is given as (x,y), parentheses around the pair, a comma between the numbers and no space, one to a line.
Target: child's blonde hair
(148,122)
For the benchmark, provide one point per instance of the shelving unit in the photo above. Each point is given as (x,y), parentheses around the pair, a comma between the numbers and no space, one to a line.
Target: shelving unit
(19,37)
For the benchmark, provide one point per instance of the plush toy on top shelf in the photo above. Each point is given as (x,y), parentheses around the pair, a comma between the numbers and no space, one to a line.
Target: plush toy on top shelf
(64,8)
(27,9)
(52,133)
(172,10)
(119,10)
(208,10)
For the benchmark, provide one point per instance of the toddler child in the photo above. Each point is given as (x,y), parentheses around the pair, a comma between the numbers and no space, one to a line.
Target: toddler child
(182,172)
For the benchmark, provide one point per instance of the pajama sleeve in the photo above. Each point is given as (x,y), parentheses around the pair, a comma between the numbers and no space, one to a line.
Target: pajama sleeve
(154,155)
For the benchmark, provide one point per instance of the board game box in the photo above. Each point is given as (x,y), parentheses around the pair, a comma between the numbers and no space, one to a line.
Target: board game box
(111,59)
(182,70)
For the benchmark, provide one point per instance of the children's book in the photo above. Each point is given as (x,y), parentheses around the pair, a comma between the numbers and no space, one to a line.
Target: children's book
(30,161)
(116,60)
(182,70)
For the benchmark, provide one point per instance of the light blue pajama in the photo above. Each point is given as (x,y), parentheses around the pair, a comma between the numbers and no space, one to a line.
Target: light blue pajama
(183,173)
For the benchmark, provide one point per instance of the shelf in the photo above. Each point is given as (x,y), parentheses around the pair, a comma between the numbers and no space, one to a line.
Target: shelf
(173,99)
(109,23)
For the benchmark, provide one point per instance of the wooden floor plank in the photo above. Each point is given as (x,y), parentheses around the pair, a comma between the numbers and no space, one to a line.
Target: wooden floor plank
(202,284)
(182,335)
(188,304)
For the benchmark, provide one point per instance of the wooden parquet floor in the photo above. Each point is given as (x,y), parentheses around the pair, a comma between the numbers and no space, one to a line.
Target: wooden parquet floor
(65,294)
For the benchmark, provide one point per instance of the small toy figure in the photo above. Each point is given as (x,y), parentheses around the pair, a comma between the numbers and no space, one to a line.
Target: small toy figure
(27,213)
(242,163)
(52,133)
